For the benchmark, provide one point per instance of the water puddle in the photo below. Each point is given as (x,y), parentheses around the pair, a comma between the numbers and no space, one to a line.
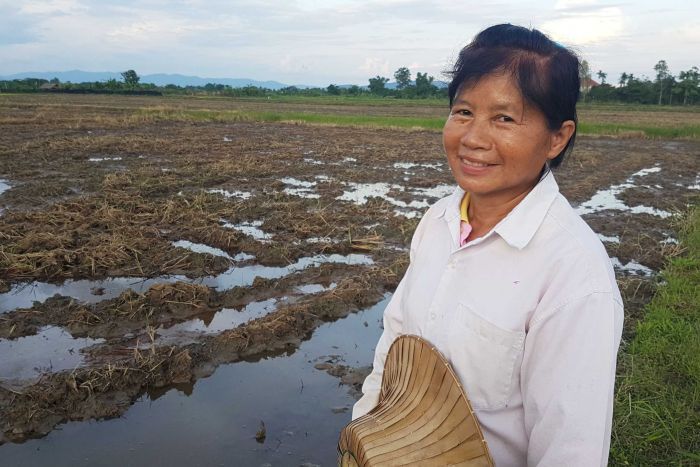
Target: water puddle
(315,288)
(202,248)
(52,349)
(100,159)
(252,229)
(86,291)
(90,292)
(4,186)
(349,159)
(669,241)
(245,275)
(608,199)
(412,165)
(605,238)
(632,268)
(695,185)
(360,193)
(300,188)
(230,194)
(214,420)
(315,240)
(438,191)
(222,320)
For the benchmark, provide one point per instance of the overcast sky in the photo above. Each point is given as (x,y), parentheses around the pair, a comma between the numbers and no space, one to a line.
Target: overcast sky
(319,42)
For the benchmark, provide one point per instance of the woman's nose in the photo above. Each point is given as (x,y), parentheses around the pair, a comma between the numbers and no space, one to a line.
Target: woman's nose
(475,135)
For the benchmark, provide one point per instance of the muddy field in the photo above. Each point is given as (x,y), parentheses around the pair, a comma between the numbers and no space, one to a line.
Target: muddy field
(185,282)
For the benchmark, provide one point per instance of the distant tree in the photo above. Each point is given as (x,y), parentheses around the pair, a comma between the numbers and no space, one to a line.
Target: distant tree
(662,73)
(333,90)
(354,90)
(424,85)
(130,78)
(403,78)
(602,76)
(671,85)
(377,85)
(585,77)
(623,79)
(290,90)
(112,84)
(689,84)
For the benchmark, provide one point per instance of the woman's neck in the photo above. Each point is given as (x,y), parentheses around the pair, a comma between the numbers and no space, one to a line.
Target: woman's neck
(485,212)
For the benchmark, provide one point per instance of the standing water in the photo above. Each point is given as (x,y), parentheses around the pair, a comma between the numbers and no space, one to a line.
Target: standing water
(214,420)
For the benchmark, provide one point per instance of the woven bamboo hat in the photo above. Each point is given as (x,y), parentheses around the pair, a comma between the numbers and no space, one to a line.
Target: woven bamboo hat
(423,416)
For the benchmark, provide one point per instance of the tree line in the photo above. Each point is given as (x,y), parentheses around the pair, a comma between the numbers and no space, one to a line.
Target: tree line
(665,89)
(422,87)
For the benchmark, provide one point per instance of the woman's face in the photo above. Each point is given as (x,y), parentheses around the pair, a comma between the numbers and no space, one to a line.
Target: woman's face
(496,145)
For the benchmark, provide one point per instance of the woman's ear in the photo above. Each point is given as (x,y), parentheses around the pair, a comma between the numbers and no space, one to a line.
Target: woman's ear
(560,138)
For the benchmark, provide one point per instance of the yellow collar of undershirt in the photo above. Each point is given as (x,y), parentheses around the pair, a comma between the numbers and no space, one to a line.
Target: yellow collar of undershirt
(464,208)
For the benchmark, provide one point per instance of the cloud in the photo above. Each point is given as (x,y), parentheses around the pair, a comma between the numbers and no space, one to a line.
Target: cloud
(48,7)
(16,28)
(375,66)
(313,41)
(582,22)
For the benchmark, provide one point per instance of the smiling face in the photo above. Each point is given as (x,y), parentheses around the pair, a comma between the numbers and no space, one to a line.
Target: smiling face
(496,144)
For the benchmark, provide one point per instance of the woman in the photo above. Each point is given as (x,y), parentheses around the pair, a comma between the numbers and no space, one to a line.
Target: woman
(505,279)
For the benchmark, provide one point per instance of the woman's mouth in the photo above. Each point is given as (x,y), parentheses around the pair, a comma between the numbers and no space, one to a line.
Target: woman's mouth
(471,167)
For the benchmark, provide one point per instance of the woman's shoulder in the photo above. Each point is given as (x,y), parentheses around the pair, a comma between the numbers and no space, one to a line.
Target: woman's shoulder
(576,247)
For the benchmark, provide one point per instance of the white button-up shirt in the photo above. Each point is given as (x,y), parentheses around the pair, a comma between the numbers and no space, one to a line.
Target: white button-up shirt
(530,318)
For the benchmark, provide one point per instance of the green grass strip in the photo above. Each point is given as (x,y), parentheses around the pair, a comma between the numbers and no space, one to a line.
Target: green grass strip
(378,121)
(657,406)
(632,130)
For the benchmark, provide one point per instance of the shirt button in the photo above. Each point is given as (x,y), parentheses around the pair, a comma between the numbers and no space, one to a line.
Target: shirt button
(433,316)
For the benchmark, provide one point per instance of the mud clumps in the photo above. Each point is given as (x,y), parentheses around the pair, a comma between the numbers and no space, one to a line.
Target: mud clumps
(89,393)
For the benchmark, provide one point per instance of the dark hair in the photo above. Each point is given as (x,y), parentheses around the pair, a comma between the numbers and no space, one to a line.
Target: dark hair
(546,73)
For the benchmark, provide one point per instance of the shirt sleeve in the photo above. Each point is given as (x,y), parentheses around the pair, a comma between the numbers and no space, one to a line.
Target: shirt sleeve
(393,327)
(567,382)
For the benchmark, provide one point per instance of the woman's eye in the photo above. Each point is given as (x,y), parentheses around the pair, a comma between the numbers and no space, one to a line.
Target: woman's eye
(504,118)
(463,112)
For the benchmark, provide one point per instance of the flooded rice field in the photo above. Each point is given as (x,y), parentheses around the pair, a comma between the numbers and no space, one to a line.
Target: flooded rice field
(169,288)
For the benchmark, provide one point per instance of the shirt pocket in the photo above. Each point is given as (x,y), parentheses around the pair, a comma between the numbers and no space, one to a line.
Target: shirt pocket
(484,356)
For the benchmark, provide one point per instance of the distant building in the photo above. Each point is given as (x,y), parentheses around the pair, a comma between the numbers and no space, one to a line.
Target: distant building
(49,86)
(588,83)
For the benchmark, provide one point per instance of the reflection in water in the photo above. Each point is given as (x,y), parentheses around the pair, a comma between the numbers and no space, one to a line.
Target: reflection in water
(51,349)
(4,186)
(202,248)
(226,318)
(360,193)
(300,188)
(252,229)
(633,268)
(315,288)
(22,295)
(216,424)
(608,199)
(230,194)
(87,291)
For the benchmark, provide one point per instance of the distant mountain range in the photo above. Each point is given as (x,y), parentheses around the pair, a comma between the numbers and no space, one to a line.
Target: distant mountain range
(159,79)
(162,79)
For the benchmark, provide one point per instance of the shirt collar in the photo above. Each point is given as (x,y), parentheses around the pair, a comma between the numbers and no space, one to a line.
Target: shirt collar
(520,225)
